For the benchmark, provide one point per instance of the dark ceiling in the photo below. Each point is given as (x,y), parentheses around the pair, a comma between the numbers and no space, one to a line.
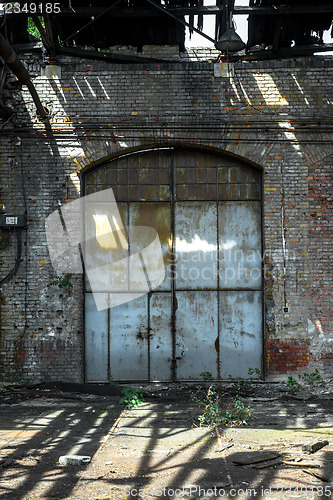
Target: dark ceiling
(276,28)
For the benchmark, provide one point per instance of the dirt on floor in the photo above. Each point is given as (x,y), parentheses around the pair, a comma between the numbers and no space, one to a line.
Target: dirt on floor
(159,450)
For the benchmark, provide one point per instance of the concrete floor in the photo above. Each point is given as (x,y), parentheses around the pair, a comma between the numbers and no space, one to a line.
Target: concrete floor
(157,450)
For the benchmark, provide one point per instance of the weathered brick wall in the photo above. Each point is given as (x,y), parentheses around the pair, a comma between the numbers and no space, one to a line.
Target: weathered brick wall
(276,114)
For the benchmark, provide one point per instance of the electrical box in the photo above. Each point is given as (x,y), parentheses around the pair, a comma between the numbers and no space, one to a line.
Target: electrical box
(13,221)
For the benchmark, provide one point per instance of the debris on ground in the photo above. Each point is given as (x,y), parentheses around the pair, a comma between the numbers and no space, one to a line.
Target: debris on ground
(254,457)
(316,475)
(314,446)
(74,460)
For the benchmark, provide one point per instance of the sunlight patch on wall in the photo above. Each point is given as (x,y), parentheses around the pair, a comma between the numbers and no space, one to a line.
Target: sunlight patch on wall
(269,90)
(76,181)
(234,88)
(56,80)
(103,88)
(291,136)
(79,88)
(90,87)
(300,89)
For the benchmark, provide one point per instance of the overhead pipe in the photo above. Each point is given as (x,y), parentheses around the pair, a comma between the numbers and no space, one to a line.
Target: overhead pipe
(13,62)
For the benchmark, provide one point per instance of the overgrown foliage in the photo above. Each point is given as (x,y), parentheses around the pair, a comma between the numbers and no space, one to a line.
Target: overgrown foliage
(313,379)
(215,412)
(131,397)
(32,28)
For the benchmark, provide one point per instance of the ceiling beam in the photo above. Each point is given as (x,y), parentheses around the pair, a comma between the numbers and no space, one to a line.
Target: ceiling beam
(318,8)
(116,57)
(298,51)
(180,20)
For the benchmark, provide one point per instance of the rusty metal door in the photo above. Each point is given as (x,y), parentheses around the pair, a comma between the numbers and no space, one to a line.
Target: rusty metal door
(206,316)
(240,281)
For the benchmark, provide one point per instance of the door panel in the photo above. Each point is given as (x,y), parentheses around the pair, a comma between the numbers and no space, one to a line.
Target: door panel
(196,245)
(96,340)
(196,334)
(240,332)
(160,337)
(107,268)
(157,216)
(240,244)
(129,340)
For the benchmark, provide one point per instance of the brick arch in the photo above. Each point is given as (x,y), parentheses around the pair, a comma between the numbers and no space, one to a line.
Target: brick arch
(98,156)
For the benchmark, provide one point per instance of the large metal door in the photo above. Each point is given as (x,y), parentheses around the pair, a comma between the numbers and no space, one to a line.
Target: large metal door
(206,316)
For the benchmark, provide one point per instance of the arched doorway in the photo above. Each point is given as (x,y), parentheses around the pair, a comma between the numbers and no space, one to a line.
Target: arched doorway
(206,316)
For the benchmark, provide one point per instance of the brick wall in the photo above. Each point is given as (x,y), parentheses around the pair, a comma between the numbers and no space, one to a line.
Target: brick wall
(276,114)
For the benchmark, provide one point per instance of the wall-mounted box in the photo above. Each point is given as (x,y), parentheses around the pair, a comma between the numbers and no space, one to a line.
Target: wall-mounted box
(13,220)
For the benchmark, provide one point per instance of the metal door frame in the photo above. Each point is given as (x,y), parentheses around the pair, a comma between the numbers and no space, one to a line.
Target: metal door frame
(171,150)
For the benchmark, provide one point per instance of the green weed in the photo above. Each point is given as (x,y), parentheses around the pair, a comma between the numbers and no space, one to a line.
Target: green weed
(254,371)
(131,397)
(111,381)
(209,401)
(312,379)
(215,412)
(207,376)
(242,384)
(239,383)
(293,385)
(237,412)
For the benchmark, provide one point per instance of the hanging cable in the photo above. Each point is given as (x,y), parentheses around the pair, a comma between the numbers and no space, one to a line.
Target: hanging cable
(17,258)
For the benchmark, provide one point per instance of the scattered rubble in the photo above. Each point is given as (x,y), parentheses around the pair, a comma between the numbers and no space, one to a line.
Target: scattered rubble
(315,445)
(74,460)
(254,457)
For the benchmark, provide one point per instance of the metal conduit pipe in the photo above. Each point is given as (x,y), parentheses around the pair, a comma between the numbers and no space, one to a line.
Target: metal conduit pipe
(13,62)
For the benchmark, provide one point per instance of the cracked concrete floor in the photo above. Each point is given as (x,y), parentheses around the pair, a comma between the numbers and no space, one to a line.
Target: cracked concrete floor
(157,450)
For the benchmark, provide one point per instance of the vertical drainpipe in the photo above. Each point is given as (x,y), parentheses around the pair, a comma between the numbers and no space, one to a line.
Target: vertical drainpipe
(13,62)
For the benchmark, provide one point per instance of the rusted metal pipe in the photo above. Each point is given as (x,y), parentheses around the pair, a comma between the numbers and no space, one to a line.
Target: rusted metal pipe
(13,62)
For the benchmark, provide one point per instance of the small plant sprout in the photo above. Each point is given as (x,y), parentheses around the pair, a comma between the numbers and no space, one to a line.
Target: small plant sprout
(239,383)
(207,376)
(131,397)
(254,371)
(293,385)
(110,380)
